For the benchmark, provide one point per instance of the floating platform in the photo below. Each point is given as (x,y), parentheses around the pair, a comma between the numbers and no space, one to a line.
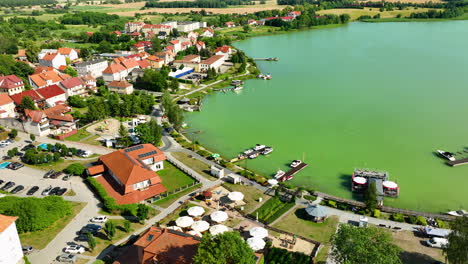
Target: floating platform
(290,173)
(267,59)
(458,162)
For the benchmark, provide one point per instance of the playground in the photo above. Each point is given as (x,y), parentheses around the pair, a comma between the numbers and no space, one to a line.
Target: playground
(107,127)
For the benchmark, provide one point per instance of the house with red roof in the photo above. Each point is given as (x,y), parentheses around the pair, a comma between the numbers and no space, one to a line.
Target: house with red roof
(36,122)
(176,45)
(73,86)
(89,82)
(10,244)
(155,62)
(213,62)
(252,22)
(61,122)
(114,72)
(200,45)
(129,175)
(166,55)
(225,51)
(21,55)
(207,33)
(52,60)
(47,78)
(135,35)
(144,64)
(133,26)
(161,245)
(142,46)
(7,106)
(37,98)
(11,84)
(230,24)
(294,13)
(155,29)
(121,87)
(53,95)
(69,53)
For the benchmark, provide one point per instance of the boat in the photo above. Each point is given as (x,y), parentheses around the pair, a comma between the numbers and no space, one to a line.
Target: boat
(259,147)
(458,213)
(279,174)
(295,163)
(247,152)
(238,88)
(447,155)
(267,150)
(267,77)
(253,155)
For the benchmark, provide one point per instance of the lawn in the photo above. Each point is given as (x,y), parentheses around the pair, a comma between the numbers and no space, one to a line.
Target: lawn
(93,140)
(272,210)
(59,165)
(251,195)
(356,13)
(195,164)
(167,201)
(40,239)
(173,178)
(82,133)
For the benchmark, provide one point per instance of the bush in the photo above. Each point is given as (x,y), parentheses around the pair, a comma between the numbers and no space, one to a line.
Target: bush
(75,169)
(376,213)
(442,224)
(398,217)
(35,214)
(310,197)
(421,221)
(203,153)
(412,219)
(279,255)
(272,209)
(331,203)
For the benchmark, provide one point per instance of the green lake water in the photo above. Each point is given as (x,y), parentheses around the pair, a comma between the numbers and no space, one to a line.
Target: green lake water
(366,95)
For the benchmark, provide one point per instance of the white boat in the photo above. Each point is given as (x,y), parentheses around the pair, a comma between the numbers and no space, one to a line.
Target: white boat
(267,77)
(458,213)
(267,150)
(260,76)
(279,174)
(295,163)
(254,155)
(447,155)
(238,88)
(259,147)
(247,152)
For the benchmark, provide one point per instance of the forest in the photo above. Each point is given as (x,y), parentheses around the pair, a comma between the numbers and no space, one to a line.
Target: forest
(14,3)
(87,18)
(197,4)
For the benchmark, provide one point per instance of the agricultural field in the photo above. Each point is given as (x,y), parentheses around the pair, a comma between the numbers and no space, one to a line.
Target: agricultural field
(272,210)
(356,13)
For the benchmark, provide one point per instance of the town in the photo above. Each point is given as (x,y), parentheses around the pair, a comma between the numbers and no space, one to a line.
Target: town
(99,165)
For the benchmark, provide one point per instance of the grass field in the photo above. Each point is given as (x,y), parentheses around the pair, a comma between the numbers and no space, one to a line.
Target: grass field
(194,164)
(356,13)
(251,195)
(40,239)
(173,178)
(82,133)
(272,210)
(167,201)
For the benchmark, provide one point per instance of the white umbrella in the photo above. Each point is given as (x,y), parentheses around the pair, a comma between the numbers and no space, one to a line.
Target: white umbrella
(218,229)
(235,196)
(272,182)
(256,243)
(219,216)
(194,233)
(184,221)
(259,232)
(200,226)
(176,228)
(196,211)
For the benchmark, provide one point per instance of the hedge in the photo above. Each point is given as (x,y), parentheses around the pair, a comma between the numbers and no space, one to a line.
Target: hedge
(310,197)
(398,217)
(272,209)
(35,214)
(279,256)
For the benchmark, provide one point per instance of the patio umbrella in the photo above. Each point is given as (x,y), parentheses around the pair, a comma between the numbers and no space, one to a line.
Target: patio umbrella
(176,228)
(256,243)
(194,233)
(272,182)
(200,226)
(184,221)
(196,211)
(235,196)
(317,211)
(219,216)
(259,232)
(218,229)
(215,155)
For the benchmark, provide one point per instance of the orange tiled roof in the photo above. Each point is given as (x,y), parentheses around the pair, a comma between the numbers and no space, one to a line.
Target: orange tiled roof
(119,84)
(223,49)
(58,113)
(21,53)
(10,81)
(114,68)
(41,79)
(5,99)
(65,51)
(129,63)
(6,221)
(35,115)
(154,58)
(49,56)
(212,59)
(144,64)
(96,169)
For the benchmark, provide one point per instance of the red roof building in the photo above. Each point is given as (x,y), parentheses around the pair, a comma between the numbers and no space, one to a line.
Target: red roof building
(158,245)
(11,84)
(130,174)
(52,94)
(37,98)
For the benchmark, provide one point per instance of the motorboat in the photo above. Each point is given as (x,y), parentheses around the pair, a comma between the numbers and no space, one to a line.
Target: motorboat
(279,174)
(247,152)
(446,154)
(253,155)
(238,88)
(295,163)
(458,213)
(259,147)
(267,150)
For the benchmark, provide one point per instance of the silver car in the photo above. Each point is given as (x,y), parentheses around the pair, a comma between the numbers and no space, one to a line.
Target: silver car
(68,258)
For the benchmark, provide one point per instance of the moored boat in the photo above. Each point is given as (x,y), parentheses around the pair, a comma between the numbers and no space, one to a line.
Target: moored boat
(279,174)
(253,155)
(247,152)
(259,147)
(267,150)
(446,154)
(295,163)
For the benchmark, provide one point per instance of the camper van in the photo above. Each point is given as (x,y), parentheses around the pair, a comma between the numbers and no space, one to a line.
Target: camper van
(437,242)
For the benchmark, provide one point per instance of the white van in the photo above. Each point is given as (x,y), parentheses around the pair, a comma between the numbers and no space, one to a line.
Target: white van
(437,242)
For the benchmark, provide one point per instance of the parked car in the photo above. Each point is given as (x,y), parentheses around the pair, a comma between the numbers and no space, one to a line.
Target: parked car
(458,213)
(17,189)
(55,175)
(32,190)
(7,186)
(15,165)
(99,219)
(66,177)
(47,174)
(46,191)
(93,226)
(82,238)
(30,146)
(27,250)
(69,258)
(62,191)
(2,181)
(74,249)
(84,231)
(437,242)
(54,191)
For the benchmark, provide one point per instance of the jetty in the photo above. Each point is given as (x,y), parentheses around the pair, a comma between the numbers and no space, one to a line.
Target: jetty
(458,162)
(225,89)
(290,173)
(267,59)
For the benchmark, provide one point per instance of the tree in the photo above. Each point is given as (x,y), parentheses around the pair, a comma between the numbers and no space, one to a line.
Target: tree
(85,53)
(149,132)
(176,116)
(357,245)
(104,47)
(109,229)
(166,101)
(371,197)
(247,28)
(91,241)
(142,212)
(27,103)
(70,71)
(156,42)
(127,226)
(32,137)
(456,251)
(13,133)
(224,248)
(75,169)
(124,139)
(76,101)
(12,152)
(174,85)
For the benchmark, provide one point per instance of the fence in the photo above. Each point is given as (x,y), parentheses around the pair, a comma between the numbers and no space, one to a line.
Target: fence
(184,168)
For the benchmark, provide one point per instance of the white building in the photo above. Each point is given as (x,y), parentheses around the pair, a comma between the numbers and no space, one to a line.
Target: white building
(217,171)
(53,95)
(114,72)
(212,62)
(36,123)
(69,53)
(94,67)
(207,33)
(54,60)
(133,26)
(10,244)
(73,86)
(121,87)
(7,107)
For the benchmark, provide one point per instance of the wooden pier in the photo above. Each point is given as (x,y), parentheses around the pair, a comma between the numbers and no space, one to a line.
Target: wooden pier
(458,162)
(225,89)
(290,173)
(267,59)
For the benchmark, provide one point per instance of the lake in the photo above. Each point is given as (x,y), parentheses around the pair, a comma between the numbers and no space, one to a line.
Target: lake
(366,95)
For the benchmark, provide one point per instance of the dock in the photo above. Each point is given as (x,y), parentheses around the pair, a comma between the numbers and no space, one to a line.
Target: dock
(267,59)
(225,89)
(458,162)
(290,173)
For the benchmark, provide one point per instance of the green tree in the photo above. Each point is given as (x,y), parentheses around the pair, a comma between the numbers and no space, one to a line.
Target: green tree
(32,137)
(174,85)
(156,42)
(75,169)
(149,132)
(166,101)
(85,53)
(109,229)
(127,226)
(91,241)
(123,139)
(12,152)
(70,71)
(13,133)
(456,251)
(370,197)
(104,47)
(225,248)
(176,116)
(357,245)
(142,212)
(27,103)
(247,28)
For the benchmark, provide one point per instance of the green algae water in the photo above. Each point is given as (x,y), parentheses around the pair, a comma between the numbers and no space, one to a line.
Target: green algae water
(367,95)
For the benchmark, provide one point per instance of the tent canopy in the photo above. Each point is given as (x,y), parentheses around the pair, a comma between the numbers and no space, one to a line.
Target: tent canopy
(317,211)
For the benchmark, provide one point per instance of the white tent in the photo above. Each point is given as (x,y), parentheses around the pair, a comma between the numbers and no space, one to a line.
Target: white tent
(184,221)
(259,232)
(235,196)
(200,226)
(256,243)
(196,211)
(194,233)
(176,228)
(272,182)
(219,216)
(218,229)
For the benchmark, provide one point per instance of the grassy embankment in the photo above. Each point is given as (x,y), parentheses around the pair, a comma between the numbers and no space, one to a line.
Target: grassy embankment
(194,164)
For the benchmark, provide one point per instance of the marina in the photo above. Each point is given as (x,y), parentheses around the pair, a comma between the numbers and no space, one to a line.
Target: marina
(363,178)
(286,176)
(267,59)
(254,152)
